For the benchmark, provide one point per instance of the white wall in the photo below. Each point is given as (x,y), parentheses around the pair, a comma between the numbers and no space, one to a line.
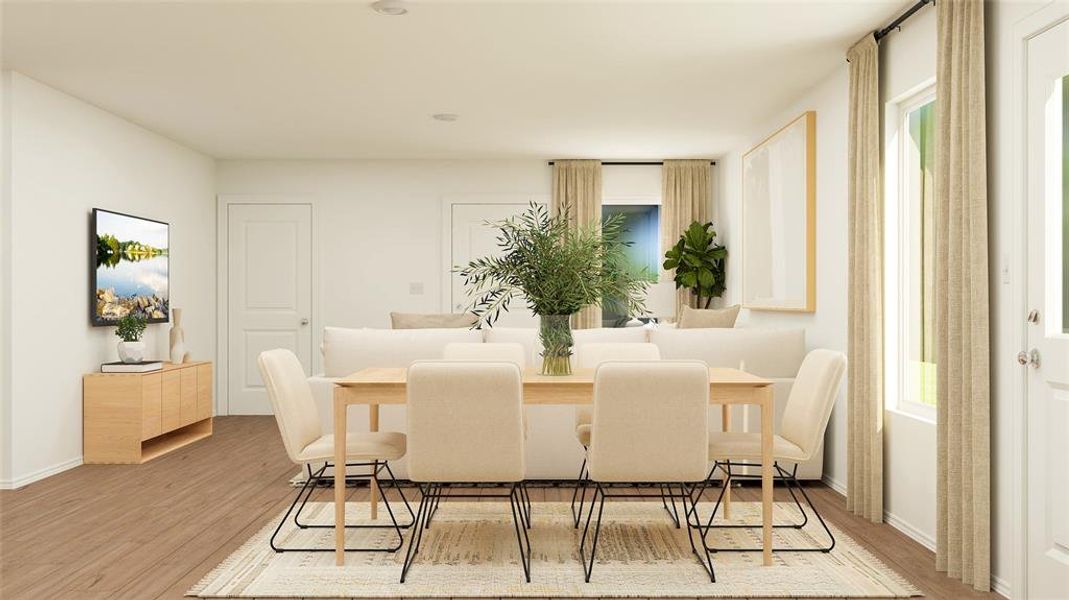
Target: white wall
(825,328)
(5,277)
(907,62)
(378,224)
(68,157)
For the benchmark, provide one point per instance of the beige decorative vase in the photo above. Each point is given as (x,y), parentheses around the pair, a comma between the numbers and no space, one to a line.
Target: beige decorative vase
(178,338)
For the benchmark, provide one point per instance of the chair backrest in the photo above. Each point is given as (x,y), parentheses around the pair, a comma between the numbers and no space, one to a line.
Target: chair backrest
(589,356)
(498,352)
(465,422)
(805,417)
(651,422)
(291,398)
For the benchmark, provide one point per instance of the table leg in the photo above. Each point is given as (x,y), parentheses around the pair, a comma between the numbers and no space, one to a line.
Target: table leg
(725,426)
(339,480)
(373,425)
(767,411)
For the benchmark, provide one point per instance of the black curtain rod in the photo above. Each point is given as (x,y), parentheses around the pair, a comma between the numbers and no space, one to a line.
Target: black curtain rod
(632,163)
(882,33)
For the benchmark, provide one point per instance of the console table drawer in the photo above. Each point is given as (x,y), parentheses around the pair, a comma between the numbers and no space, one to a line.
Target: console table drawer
(151,405)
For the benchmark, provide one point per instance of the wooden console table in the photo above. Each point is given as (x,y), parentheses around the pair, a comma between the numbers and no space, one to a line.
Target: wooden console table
(131,418)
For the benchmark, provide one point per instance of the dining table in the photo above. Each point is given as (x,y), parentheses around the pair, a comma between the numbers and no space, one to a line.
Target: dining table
(376,386)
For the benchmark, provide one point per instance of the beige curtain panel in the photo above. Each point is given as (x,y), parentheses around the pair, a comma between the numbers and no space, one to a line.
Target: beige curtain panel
(864,443)
(685,198)
(963,528)
(577,186)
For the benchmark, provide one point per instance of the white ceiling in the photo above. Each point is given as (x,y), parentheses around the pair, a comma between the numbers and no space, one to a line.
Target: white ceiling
(528,79)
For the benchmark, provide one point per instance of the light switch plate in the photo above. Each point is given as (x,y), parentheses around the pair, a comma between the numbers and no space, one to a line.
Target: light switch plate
(415,288)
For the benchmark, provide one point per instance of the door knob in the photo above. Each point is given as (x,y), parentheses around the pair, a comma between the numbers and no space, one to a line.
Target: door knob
(1028,358)
(304,321)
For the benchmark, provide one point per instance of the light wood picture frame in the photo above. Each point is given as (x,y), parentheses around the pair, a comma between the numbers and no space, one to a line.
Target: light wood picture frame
(779,193)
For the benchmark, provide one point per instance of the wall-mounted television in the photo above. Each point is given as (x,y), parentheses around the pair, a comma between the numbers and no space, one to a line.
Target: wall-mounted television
(128,268)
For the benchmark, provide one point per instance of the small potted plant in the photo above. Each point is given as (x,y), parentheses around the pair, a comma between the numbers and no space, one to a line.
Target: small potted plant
(130,329)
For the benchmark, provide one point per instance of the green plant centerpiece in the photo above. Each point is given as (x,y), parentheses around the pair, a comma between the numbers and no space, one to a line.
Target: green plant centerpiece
(699,263)
(129,329)
(559,269)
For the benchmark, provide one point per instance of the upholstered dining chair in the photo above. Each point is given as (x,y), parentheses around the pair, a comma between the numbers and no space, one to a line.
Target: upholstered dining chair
(589,356)
(306,445)
(805,418)
(465,429)
(501,351)
(651,426)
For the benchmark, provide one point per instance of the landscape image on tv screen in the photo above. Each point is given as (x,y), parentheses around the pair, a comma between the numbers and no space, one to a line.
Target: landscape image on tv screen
(130,268)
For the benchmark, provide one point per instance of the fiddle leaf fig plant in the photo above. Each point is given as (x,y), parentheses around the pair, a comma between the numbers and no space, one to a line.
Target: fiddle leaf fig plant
(698,262)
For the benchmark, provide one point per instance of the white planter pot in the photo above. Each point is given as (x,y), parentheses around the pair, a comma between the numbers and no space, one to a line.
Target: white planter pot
(131,352)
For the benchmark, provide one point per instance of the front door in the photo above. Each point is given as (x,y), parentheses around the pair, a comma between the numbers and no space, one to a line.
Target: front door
(1047,353)
(269,289)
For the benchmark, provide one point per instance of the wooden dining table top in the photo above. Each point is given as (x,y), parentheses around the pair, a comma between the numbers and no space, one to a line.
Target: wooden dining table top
(387,385)
(387,376)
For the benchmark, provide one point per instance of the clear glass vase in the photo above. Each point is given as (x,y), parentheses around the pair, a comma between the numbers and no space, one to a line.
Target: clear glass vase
(555,332)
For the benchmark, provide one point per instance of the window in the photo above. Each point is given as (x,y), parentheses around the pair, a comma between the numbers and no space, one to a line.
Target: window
(910,256)
(642,224)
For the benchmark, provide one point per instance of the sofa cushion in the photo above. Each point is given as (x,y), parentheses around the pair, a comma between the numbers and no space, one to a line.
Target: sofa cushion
(766,352)
(611,335)
(432,320)
(524,336)
(696,318)
(528,337)
(348,350)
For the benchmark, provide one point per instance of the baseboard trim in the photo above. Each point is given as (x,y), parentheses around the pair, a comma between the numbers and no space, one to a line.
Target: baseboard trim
(1000,586)
(835,485)
(25,480)
(911,532)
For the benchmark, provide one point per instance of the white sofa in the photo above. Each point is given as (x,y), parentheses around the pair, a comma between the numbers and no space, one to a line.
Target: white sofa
(552,452)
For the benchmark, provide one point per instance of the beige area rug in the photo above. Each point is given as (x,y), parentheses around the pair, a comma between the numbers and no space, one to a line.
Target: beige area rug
(470,551)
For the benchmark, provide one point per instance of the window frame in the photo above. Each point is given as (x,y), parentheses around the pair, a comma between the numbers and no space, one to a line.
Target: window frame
(899,217)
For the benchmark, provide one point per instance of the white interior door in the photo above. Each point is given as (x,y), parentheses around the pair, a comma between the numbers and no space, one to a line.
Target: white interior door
(472,238)
(269,283)
(1047,355)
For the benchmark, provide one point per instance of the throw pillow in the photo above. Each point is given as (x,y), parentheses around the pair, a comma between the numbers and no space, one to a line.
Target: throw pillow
(431,321)
(694,318)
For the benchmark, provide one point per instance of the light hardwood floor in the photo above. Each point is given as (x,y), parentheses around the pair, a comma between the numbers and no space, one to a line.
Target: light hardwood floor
(153,530)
